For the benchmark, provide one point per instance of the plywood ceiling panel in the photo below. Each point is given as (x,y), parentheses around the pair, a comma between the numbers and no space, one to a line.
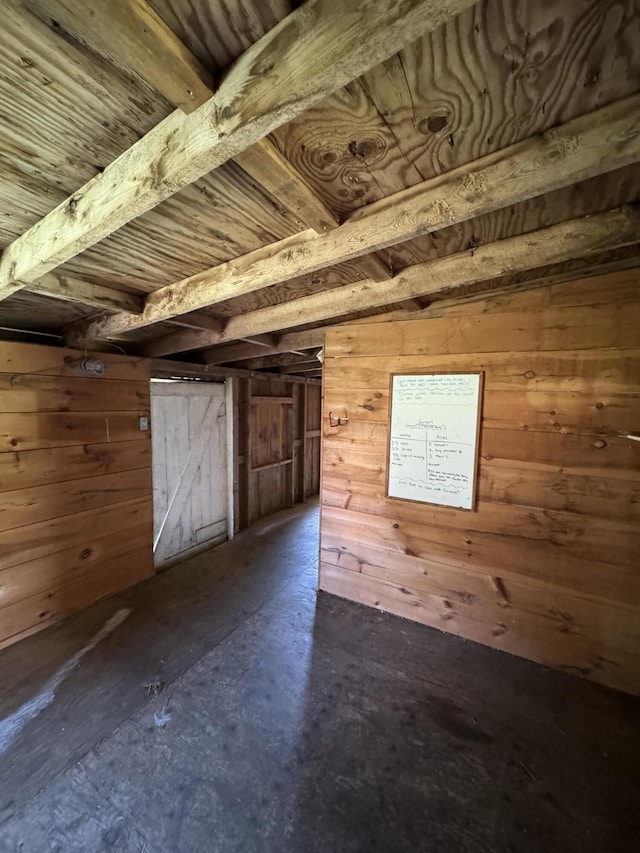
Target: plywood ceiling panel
(497,73)
(501,72)
(64,117)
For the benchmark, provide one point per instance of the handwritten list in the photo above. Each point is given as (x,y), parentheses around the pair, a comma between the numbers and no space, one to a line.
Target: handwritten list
(434,434)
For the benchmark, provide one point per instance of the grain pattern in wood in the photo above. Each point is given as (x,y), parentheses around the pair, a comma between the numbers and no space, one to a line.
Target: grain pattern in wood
(75,468)
(607,139)
(595,413)
(70,117)
(42,393)
(133,35)
(40,575)
(496,74)
(582,198)
(27,469)
(71,289)
(58,602)
(19,358)
(220,216)
(34,431)
(514,632)
(267,165)
(546,565)
(50,537)
(252,100)
(508,482)
(25,506)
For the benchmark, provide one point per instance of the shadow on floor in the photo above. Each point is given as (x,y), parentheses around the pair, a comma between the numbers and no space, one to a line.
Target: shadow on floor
(295,722)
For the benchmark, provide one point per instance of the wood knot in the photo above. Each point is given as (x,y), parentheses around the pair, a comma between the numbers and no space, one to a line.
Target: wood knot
(365,149)
(592,77)
(436,123)
(599,444)
(599,405)
(529,374)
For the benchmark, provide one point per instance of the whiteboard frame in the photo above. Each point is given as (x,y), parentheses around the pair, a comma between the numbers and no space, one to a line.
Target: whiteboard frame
(476,462)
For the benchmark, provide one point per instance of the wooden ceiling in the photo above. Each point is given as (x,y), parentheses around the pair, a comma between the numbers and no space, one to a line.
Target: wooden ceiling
(369,185)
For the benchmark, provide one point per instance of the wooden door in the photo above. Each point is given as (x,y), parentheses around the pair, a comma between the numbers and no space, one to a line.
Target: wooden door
(190,484)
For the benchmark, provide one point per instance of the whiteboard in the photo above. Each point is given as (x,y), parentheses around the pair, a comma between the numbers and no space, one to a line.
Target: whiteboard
(433,438)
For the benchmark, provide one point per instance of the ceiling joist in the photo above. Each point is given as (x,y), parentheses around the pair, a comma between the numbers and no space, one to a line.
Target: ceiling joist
(132,32)
(311,53)
(555,244)
(168,369)
(283,359)
(590,145)
(71,289)
(292,342)
(268,167)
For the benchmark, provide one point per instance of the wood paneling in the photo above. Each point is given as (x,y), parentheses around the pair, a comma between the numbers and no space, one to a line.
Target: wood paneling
(278,450)
(313,439)
(18,359)
(75,484)
(32,431)
(546,567)
(22,470)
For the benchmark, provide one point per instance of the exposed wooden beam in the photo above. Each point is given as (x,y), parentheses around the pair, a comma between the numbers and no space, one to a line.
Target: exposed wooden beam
(303,367)
(587,146)
(133,34)
(374,268)
(565,241)
(71,289)
(279,360)
(168,369)
(262,340)
(269,168)
(237,351)
(292,342)
(198,320)
(311,53)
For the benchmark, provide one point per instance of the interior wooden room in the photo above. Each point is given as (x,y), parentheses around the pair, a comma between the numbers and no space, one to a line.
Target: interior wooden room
(319,426)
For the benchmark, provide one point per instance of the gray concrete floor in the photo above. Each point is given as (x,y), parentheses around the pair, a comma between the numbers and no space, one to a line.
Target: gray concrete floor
(291,722)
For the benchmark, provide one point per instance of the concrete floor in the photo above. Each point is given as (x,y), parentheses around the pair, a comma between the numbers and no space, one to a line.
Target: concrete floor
(287,722)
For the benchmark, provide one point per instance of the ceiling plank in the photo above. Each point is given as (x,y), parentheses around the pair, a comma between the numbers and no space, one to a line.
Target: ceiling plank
(269,167)
(602,141)
(133,34)
(307,56)
(555,244)
(71,289)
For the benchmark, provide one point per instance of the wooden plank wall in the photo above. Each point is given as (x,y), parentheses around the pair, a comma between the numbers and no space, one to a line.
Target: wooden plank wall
(75,484)
(547,567)
(313,438)
(277,440)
